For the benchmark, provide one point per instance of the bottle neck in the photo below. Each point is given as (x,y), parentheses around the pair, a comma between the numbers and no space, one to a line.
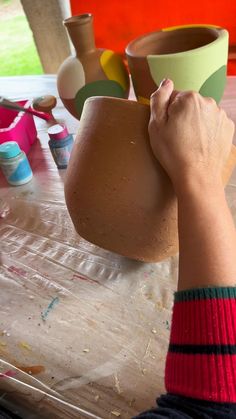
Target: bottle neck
(80,30)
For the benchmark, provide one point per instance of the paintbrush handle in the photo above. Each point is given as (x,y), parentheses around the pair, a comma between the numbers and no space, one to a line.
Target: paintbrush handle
(5,103)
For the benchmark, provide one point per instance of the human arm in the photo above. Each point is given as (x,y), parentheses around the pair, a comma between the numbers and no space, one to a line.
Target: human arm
(192,137)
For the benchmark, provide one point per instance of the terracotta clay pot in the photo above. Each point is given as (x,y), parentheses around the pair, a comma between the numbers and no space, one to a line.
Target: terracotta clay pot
(117,194)
(194,57)
(92,71)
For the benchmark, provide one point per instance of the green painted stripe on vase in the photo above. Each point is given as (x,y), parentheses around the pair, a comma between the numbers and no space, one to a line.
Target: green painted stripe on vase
(98,88)
(215,84)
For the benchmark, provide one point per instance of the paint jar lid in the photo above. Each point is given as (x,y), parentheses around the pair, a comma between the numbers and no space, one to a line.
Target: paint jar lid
(58,132)
(9,149)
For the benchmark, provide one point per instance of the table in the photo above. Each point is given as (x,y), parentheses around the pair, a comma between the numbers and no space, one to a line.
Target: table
(83,331)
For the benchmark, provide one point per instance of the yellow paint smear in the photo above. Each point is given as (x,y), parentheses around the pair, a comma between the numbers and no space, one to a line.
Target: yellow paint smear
(25,345)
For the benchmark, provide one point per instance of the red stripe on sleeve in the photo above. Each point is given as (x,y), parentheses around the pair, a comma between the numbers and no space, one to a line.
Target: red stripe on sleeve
(201,362)
(204,377)
(204,322)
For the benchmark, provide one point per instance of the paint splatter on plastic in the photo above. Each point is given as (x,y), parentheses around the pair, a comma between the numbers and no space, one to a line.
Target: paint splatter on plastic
(9,373)
(167,325)
(46,312)
(32,370)
(16,270)
(25,345)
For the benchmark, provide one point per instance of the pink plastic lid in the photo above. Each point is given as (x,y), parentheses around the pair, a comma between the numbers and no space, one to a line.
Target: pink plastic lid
(58,132)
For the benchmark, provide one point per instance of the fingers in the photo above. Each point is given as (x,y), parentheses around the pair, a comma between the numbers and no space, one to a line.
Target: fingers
(184,101)
(174,94)
(160,101)
(210,101)
(231,127)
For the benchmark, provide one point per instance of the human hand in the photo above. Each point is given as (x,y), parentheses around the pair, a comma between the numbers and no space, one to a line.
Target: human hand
(190,135)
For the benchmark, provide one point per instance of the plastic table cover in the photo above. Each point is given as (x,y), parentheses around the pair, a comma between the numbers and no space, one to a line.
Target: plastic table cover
(83,331)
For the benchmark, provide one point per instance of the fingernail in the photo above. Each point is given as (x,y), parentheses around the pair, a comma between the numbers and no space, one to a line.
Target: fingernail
(164,82)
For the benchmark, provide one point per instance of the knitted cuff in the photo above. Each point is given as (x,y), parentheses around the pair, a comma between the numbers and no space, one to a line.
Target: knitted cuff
(201,361)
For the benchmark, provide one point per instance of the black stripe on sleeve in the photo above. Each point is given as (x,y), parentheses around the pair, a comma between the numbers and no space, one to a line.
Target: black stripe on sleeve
(203,349)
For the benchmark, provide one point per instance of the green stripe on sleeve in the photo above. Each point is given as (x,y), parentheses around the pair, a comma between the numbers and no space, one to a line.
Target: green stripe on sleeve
(205,294)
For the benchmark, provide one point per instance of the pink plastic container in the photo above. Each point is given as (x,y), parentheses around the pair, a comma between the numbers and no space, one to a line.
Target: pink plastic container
(18,126)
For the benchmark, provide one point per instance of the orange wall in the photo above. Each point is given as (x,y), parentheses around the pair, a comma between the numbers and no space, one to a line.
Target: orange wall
(116,22)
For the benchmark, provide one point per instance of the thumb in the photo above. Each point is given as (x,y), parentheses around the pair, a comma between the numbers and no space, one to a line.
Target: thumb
(160,100)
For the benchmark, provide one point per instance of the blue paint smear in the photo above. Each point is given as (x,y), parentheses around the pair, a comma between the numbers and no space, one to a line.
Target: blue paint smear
(46,312)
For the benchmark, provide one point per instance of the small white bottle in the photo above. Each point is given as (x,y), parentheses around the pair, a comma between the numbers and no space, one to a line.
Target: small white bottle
(14,164)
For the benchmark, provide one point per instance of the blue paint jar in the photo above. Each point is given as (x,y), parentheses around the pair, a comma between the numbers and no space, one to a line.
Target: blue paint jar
(60,143)
(14,164)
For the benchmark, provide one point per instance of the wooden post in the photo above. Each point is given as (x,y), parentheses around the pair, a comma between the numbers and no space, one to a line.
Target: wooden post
(45,19)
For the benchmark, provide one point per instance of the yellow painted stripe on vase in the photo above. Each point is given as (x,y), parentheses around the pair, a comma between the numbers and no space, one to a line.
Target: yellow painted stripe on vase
(114,68)
(194,25)
(143,100)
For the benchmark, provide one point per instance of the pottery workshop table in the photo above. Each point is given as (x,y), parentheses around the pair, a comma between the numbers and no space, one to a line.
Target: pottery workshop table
(83,332)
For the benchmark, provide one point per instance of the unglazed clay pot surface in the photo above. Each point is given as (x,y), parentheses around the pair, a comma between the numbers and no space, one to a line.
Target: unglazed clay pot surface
(195,58)
(117,194)
(92,71)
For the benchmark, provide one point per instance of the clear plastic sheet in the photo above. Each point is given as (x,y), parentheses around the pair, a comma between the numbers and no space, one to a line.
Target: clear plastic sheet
(83,332)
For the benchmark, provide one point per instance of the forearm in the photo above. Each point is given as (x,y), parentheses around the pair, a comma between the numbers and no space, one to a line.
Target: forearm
(207,237)
(202,354)
(191,137)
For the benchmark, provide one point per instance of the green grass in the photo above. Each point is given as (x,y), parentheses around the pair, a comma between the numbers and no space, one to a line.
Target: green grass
(18,54)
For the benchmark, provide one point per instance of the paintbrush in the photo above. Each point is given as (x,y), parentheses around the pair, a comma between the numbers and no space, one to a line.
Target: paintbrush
(5,103)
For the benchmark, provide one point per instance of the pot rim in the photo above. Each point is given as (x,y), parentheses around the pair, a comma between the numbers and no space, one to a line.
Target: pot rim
(78,19)
(117,100)
(219,31)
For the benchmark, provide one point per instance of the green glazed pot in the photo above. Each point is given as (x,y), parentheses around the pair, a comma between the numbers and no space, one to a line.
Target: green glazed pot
(194,57)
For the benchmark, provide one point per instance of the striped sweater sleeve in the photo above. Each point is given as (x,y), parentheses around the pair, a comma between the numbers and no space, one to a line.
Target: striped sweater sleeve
(201,361)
